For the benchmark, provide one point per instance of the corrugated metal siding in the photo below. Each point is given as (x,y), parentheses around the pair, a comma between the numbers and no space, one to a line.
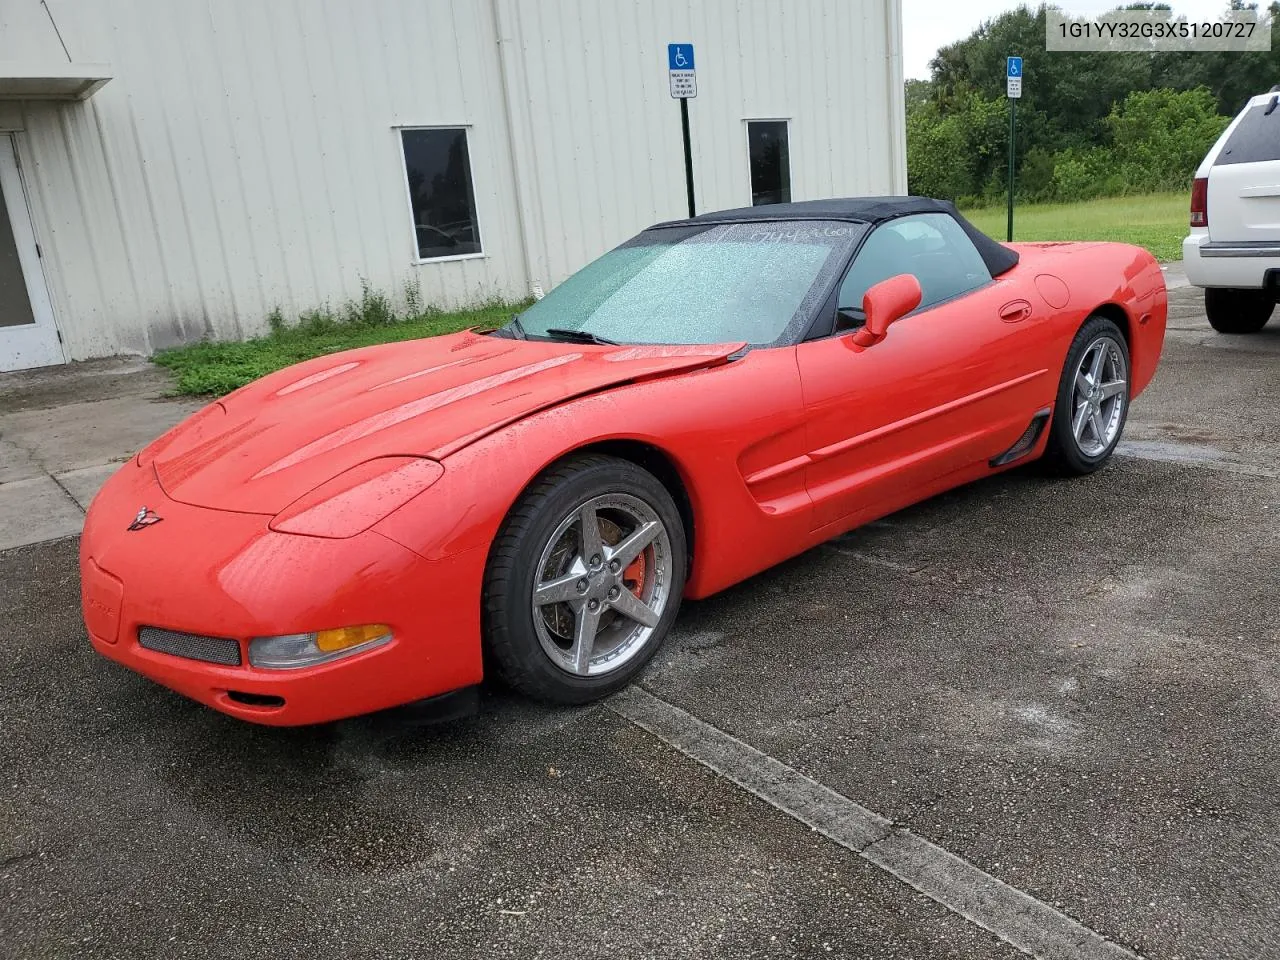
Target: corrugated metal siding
(607,141)
(246,154)
(245,157)
(27,32)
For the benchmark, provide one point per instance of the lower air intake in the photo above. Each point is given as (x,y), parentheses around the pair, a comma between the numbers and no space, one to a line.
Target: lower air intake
(192,646)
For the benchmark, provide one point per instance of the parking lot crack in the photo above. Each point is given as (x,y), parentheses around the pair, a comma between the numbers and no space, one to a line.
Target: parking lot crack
(63,487)
(15,859)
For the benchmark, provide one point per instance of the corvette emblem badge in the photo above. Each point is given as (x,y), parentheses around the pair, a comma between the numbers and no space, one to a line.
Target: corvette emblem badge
(144,518)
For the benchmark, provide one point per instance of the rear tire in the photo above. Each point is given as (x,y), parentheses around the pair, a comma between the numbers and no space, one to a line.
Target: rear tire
(1093,400)
(584,580)
(1238,311)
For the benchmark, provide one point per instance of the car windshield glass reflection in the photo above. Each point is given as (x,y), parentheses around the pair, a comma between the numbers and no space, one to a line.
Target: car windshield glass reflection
(716,283)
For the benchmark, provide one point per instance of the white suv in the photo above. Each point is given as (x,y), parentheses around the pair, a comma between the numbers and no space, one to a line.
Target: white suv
(1233,250)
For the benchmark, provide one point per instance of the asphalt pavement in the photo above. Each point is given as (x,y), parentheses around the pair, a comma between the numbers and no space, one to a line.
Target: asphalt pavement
(1062,696)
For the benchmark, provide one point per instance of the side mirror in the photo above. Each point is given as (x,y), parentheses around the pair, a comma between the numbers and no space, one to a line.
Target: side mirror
(887,301)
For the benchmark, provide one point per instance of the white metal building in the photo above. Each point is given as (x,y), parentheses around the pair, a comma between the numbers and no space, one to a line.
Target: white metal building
(175,169)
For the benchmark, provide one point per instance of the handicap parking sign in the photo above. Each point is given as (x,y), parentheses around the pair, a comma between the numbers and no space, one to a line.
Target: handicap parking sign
(680,56)
(1013,77)
(684,82)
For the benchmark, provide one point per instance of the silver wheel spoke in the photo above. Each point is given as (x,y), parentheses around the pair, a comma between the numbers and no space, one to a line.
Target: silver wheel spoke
(1095,421)
(589,542)
(1083,384)
(559,590)
(632,607)
(626,551)
(1113,388)
(586,623)
(1082,417)
(1095,370)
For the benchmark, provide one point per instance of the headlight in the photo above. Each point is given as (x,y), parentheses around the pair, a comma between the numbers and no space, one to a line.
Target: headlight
(354,501)
(307,649)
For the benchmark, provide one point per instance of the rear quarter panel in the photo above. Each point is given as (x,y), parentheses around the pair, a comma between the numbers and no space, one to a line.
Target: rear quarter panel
(1121,281)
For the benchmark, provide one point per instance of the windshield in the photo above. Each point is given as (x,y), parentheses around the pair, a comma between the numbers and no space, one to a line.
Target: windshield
(758,282)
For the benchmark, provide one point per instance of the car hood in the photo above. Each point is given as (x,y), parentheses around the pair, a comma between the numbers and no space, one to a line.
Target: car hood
(269,443)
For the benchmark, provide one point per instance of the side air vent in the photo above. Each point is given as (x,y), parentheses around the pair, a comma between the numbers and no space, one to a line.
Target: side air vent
(1025,443)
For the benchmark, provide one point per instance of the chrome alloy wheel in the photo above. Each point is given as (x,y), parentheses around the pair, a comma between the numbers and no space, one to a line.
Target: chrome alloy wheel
(602,584)
(1099,396)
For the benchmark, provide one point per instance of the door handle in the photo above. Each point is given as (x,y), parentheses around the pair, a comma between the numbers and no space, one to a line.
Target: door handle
(1015,310)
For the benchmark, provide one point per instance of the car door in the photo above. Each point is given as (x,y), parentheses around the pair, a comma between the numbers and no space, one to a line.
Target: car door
(948,387)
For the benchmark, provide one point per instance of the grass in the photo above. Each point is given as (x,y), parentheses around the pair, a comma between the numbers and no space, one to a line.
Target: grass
(1156,221)
(212,369)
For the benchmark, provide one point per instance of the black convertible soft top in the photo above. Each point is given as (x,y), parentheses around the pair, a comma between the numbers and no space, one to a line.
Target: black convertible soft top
(998,258)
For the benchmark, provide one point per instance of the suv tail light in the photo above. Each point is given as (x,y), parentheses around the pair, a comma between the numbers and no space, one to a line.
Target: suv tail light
(1200,202)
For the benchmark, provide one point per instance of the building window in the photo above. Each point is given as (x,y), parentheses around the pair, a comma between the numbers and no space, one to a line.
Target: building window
(770,161)
(442,200)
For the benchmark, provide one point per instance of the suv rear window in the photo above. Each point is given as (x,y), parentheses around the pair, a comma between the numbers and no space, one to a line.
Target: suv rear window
(1256,138)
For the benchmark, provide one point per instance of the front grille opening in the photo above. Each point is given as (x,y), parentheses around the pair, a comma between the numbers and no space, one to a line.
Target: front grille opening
(191,646)
(255,699)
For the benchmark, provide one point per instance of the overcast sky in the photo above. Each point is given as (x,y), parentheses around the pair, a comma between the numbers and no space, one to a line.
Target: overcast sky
(930,24)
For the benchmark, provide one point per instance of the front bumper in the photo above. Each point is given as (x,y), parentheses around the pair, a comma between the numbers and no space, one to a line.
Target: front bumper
(220,574)
(1240,266)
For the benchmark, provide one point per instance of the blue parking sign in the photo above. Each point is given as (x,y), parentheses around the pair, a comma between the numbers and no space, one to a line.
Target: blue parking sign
(684,80)
(1014,67)
(680,56)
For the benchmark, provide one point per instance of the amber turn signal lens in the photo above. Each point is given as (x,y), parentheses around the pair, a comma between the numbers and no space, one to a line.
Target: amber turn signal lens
(331,641)
(295,650)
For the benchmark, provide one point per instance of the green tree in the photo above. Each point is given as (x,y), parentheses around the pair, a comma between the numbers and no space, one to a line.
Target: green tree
(918,93)
(1089,123)
(1159,137)
(1065,96)
(1232,76)
(952,155)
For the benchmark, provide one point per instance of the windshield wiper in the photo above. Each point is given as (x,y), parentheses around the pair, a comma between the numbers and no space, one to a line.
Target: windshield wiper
(579,336)
(517,327)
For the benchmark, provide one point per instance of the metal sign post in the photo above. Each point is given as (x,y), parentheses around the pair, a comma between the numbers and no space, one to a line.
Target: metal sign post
(684,86)
(1013,89)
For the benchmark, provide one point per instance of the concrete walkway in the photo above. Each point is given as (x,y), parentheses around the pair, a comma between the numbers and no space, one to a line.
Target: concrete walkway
(64,430)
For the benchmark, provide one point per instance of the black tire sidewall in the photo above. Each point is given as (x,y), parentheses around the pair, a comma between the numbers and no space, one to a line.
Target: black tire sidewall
(511,638)
(1237,311)
(1064,452)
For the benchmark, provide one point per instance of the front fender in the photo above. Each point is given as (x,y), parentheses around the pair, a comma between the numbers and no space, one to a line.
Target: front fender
(717,426)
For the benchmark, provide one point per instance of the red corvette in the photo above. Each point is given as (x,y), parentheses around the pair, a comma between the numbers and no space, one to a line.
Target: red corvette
(372,528)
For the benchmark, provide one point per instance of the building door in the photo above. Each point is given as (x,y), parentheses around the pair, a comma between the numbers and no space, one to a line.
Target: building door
(28,337)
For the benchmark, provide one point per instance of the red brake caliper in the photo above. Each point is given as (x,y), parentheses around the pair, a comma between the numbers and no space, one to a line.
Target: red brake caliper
(633,576)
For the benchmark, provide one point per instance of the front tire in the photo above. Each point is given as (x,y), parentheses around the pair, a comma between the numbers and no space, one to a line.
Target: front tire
(584,580)
(1237,311)
(1093,400)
